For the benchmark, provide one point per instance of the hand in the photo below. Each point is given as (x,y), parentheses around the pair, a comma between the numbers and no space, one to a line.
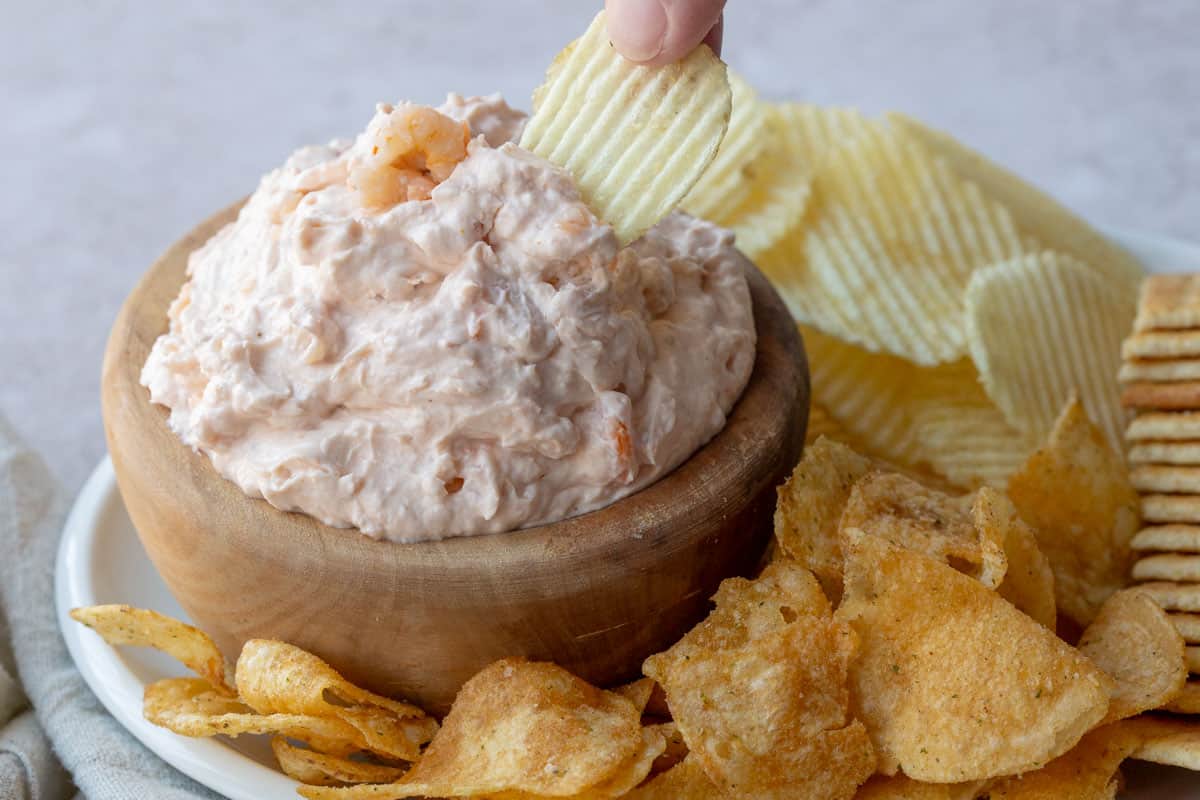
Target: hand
(655,32)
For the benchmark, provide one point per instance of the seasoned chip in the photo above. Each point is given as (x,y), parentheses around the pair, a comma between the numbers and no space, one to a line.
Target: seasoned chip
(1087,772)
(1181,396)
(1171,426)
(1043,328)
(890,239)
(685,781)
(141,627)
(1035,213)
(1172,538)
(899,787)
(728,180)
(675,751)
(318,769)
(1185,369)
(1162,344)
(1170,508)
(1028,582)
(276,677)
(1168,567)
(789,656)
(1188,625)
(1076,496)
(1173,596)
(912,416)
(525,727)
(1169,741)
(954,683)
(810,507)
(1187,701)
(1134,642)
(638,692)
(193,707)
(636,139)
(1182,452)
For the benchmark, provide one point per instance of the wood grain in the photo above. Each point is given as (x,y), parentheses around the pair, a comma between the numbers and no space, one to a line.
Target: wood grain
(595,594)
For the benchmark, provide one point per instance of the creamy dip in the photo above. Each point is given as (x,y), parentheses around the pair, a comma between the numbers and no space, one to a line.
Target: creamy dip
(479,361)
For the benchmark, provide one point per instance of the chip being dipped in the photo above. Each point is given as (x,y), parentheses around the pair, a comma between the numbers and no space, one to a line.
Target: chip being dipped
(636,139)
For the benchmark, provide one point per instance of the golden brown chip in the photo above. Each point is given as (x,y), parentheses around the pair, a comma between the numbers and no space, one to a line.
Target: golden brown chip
(1087,772)
(193,707)
(810,507)
(141,627)
(1187,701)
(1169,740)
(899,787)
(318,769)
(637,692)
(1029,582)
(520,726)
(276,677)
(684,781)
(954,683)
(1134,642)
(758,692)
(675,751)
(1075,494)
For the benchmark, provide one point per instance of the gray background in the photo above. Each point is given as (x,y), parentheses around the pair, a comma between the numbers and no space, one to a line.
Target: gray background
(124,123)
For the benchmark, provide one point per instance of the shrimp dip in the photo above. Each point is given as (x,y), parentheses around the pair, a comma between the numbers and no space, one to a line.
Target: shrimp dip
(425,333)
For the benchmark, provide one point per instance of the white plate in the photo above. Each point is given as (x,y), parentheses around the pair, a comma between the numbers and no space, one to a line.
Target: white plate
(100,560)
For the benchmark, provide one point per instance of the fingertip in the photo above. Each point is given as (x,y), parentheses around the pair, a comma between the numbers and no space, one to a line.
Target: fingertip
(637,28)
(689,23)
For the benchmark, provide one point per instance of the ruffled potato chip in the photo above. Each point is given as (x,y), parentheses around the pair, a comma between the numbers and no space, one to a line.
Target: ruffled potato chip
(194,707)
(276,677)
(785,654)
(319,769)
(1075,494)
(636,139)
(954,683)
(1134,642)
(141,627)
(728,180)
(519,726)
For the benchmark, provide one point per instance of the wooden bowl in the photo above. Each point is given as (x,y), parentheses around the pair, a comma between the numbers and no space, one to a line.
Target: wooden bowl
(596,594)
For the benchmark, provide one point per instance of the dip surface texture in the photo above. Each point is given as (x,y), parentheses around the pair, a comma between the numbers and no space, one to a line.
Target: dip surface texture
(479,361)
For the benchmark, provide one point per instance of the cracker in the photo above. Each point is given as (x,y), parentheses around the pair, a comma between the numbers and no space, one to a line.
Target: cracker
(1176,538)
(1187,701)
(1182,369)
(1167,567)
(1170,508)
(1162,344)
(1170,479)
(1185,452)
(1188,626)
(1182,396)
(1169,426)
(1169,301)
(1173,596)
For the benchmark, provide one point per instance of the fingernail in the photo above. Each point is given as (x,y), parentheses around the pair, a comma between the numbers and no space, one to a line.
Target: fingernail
(639,28)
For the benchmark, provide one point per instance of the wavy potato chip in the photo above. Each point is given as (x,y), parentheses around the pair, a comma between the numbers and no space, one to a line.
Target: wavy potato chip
(953,683)
(938,417)
(728,180)
(1134,642)
(319,769)
(194,707)
(1042,328)
(636,139)
(521,726)
(141,627)
(758,691)
(276,677)
(1075,494)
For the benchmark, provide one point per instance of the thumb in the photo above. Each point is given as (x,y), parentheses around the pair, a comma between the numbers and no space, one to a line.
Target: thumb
(655,32)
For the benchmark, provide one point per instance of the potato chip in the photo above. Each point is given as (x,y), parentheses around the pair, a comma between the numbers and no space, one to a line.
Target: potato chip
(685,781)
(1035,213)
(939,416)
(636,139)
(890,240)
(1174,742)
(788,656)
(821,424)
(675,751)
(194,707)
(276,677)
(1173,596)
(1187,701)
(637,692)
(954,683)
(900,787)
(1087,772)
(1172,426)
(1076,496)
(1134,642)
(1028,581)
(1040,329)
(1172,538)
(1168,567)
(318,769)
(141,627)
(525,727)
(728,180)
(810,508)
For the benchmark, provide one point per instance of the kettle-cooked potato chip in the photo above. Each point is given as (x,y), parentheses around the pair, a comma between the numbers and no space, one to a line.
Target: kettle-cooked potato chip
(141,627)
(1087,772)
(1134,642)
(1075,494)
(900,787)
(636,139)
(1042,328)
(1168,740)
(954,683)
(1028,580)
(319,769)
(685,781)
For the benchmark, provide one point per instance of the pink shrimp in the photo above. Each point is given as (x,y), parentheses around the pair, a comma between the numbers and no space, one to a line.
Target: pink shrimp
(413,149)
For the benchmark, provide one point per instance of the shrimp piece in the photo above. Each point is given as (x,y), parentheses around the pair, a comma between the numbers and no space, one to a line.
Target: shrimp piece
(413,149)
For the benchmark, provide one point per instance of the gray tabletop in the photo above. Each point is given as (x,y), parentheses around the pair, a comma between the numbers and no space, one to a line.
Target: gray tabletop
(127,122)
